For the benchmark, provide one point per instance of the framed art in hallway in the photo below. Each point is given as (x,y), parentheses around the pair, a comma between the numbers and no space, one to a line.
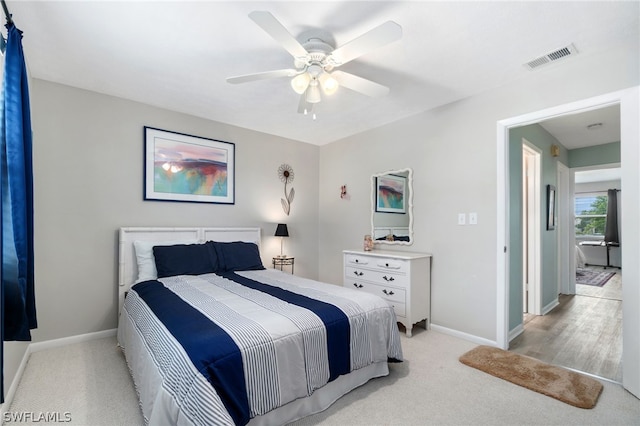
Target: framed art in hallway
(181,167)
(551,207)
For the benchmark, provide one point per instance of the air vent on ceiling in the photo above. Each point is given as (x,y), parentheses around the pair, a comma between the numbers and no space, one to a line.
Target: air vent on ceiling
(556,55)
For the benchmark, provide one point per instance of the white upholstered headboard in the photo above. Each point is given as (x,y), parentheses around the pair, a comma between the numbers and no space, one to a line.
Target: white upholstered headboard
(127,264)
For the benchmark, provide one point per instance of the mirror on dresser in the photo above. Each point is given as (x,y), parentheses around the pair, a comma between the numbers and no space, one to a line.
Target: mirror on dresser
(392,207)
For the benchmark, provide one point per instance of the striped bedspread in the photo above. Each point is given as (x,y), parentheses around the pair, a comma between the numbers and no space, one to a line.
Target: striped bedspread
(230,347)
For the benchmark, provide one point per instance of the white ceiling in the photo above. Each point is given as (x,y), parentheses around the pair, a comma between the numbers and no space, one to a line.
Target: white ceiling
(177,55)
(585,129)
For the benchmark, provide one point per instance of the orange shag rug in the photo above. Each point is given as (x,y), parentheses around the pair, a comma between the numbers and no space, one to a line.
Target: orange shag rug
(559,383)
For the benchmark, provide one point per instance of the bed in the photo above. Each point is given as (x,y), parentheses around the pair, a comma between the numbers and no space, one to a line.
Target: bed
(218,339)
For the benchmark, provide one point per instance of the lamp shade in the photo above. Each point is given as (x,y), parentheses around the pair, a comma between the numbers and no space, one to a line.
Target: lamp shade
(328,83)
(281,230)
(300,83)
(313,92)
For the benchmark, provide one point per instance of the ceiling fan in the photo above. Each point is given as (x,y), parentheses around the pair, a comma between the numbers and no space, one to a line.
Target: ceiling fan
(316,60)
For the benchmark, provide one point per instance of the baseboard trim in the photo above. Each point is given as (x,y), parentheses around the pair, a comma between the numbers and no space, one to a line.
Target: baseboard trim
(463,336)
(550,306)
(41,346)
(8,398)
(56,343)
(516,332)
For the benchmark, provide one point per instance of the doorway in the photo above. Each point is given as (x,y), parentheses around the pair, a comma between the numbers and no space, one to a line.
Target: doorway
(629,101)
(584,332)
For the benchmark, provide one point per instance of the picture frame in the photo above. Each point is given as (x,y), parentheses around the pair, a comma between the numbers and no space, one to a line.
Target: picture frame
(551,207)
(181,167)
(391,193)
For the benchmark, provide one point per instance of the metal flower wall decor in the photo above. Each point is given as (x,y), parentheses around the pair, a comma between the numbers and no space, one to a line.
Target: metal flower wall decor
(285,173)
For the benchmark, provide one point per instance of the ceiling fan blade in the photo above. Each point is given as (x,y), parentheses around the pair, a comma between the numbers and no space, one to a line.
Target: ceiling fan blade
(303,105)
(261,76)
(371,40)
(278,32)
(359,84)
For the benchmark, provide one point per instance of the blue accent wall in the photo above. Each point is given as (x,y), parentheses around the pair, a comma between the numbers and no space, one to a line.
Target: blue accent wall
(539,137)
(595,155)
(582,157)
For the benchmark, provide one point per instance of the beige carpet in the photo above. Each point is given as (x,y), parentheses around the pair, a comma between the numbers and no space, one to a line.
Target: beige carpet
(91,382)
(564,385)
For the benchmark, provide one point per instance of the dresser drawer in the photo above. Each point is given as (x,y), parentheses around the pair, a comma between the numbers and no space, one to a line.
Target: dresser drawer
(377,277)
(379,263)
(399,308)
(353,260)
(390,294)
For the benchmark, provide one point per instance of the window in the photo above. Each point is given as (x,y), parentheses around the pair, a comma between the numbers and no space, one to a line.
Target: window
(591,214)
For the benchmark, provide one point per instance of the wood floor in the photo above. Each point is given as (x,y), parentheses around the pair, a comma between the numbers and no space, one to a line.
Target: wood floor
(583,333)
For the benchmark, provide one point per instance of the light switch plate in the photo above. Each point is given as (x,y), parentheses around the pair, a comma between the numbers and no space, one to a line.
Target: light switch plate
(462,218)
(473,218)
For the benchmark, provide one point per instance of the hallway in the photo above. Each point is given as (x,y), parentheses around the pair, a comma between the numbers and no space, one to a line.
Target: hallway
(583,333)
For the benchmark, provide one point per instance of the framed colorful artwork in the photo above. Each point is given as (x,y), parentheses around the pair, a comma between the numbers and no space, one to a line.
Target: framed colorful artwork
(180,167)
(390,194)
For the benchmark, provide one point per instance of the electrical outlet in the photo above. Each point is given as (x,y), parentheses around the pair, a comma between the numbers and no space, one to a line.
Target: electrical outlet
(462,218)
(473,218)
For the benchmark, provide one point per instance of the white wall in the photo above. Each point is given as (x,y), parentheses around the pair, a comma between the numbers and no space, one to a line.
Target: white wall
(453,152)
(88,166)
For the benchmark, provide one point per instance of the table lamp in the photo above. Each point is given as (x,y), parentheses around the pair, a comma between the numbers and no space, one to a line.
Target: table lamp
(282,231)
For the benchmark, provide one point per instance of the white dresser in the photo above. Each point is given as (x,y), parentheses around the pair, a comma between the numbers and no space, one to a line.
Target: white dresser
(402,278)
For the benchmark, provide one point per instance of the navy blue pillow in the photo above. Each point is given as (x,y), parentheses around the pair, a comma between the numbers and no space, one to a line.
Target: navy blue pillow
(185,259)
(238,256)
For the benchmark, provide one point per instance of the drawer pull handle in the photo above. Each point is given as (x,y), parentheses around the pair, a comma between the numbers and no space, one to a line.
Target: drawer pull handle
(356,285)
(388,293)
(388,279)
(358,274)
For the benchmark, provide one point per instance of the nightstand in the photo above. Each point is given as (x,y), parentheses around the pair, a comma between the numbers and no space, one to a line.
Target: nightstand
(281,262)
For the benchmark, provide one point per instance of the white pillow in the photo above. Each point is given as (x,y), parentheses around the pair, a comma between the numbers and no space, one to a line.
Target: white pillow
(145,259)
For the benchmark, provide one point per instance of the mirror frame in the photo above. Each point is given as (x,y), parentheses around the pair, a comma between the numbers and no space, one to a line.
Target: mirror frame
(409,200)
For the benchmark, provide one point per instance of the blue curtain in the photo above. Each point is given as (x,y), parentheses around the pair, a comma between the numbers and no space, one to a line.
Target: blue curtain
(17,277)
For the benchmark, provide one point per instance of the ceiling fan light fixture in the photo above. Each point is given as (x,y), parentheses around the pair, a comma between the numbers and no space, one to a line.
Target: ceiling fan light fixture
(315,60)
(300,83)
(328,83)
(313,92)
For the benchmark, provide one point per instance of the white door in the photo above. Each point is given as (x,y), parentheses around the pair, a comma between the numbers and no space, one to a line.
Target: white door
(531,160)
(566,235)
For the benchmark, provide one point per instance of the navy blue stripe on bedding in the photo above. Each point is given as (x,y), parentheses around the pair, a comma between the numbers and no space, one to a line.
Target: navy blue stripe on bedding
(210,348)
(335,320)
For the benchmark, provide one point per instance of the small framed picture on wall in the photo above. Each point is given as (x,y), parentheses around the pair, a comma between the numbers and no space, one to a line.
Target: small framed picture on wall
(551,207)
